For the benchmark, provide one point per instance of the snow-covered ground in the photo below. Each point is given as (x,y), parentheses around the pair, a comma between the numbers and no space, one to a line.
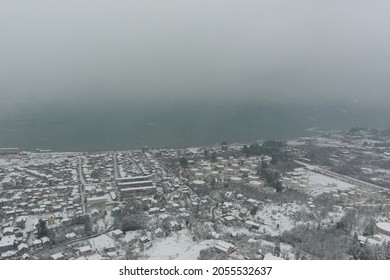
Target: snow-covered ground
(179,246)
(319,183)
(101,242)
(283,215)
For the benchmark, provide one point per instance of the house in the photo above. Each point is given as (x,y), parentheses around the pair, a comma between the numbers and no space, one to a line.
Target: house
(154,210)
(8,231)
(58,256)
(45,240)
(116,212)
(85,250)
(174,225)
(112,254)
(23,248)
(7,243)
(225,247)
(144,239)
(259,255)
(251,225)
(8,255)
(175,205)
(70,236)
(215,235)
(109,248)
(95,213)
(229,220)
(65,221)
(243,213)
(117,233)
(158,233)
(37,243)
(97,200)
(269,256)
(371,241)
(251,201)
(228,204)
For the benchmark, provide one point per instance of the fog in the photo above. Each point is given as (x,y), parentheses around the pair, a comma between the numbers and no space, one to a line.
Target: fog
(287,51)
(77,54)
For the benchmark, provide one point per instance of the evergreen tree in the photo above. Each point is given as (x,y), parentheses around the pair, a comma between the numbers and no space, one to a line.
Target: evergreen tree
(387,251)
(367,252)
(42,229)
(369,230)
(379,252)
(277,249)
(355,250)
(245,150)
(183,162)
(254,210)
(214,157)
(88,226)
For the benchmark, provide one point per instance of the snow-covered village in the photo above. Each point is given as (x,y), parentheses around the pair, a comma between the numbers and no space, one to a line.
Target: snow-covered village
(322,197)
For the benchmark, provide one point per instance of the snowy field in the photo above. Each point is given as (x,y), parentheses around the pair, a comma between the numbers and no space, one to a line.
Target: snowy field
(179,246)
(319,184)
(276,218)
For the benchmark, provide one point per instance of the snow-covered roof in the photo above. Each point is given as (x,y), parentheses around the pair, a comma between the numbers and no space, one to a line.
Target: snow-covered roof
(117,232)
(134,183)
(198,182)
(251,200)
(7,240)
(138,188)
(269,256)
(25,256)
(8,230)
(37,242)
(224,246)
(85,249)
(70,235)
(45,239)
(251,223)
(57,256)
(384,226)
(173,223)
(22,246)
(364,239)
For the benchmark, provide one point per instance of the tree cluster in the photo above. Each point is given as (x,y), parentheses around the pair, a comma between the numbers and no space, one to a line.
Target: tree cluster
(274,149)
(367,251)
(183,162)
(323,243)
(272,177)
(42,229)
(132,222)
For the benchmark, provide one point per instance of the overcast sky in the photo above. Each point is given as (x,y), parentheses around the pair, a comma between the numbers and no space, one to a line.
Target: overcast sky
(302,51)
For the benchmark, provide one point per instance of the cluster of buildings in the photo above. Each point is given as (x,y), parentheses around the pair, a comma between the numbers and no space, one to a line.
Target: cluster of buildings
(85,198)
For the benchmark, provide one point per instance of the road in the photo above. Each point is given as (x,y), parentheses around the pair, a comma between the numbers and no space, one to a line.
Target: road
(213,208)
(116,175)
(174,175)
(81,187)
